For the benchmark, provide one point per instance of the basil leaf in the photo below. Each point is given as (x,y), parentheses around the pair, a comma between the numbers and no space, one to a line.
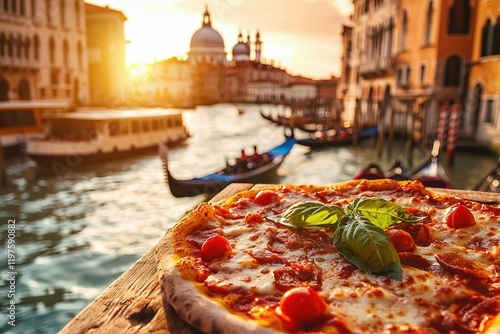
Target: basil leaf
(367,246)
(381,212)
(310,215)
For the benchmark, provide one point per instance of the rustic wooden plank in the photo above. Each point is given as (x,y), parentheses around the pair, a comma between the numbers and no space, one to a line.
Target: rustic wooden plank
(479,196)
(133,303)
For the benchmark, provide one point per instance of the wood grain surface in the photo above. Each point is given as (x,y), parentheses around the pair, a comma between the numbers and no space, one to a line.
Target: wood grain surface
(134,304)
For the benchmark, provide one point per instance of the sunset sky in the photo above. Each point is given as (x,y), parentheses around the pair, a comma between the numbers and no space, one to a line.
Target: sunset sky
(303,36)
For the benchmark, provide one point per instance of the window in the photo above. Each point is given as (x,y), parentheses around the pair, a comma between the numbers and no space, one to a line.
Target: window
(36,47)
(77,13)
(62,14)
(19,47)
(403,76)
(404,30)
(496,38)
(80,55)
(459,17)
(486,39)
(423,70)
(428,25)
(2,44)
(52,50)
(10,46)
(489,117)
(65,52)
(452,71)
(48,11)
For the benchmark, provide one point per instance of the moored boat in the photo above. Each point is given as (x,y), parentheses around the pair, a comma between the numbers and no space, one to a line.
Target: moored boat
(372,171)
(215,182)
(78,138)
(431,172)
(490,182)
(335,137)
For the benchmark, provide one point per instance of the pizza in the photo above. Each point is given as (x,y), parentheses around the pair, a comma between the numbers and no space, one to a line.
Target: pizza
(363,256)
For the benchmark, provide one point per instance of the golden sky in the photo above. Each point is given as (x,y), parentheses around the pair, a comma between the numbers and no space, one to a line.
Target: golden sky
(303,36)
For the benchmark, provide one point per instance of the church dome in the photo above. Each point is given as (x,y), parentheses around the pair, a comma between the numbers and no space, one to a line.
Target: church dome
(207,36)
(241,49)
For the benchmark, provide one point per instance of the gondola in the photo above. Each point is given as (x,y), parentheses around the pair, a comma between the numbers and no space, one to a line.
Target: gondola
(373,171)
(431,172)
(215,182)
(335,137)
(491,182)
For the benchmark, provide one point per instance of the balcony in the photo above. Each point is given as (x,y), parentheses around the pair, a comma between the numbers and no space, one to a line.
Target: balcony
(19,64)
(376,67)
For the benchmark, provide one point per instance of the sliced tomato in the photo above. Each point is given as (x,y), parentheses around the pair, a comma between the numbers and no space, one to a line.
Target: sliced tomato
(303,304)
(458,216)
(215,247)
(402,240)
(265,197)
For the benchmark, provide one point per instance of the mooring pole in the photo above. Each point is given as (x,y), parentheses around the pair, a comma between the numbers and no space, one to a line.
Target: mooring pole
(3,172)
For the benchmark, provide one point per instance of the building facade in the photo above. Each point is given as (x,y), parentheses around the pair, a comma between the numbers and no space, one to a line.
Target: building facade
(404,60)
(108,79)
(43,51)
(482,118)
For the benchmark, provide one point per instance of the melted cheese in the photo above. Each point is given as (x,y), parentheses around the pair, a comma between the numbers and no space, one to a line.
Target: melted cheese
(366,302)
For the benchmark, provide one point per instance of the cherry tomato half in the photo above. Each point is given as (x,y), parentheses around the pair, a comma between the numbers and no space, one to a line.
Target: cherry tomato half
(402,240)
(265,197)
(303,304)
(215,247)
(458,216)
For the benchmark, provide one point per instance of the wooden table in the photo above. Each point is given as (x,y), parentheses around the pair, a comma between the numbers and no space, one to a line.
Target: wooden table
(134,304)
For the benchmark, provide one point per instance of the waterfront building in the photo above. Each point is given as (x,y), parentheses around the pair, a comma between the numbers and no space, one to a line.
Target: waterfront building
(106,55)
(482,117)
(43,51)
(43,64)
(404,59)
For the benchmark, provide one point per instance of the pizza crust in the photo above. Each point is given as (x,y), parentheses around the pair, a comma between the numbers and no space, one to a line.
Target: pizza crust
(196,309)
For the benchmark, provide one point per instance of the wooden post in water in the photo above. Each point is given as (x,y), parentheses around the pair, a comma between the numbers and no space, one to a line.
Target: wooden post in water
(391,127)
(409,131)
(3,172)
(357,124)
(380,130)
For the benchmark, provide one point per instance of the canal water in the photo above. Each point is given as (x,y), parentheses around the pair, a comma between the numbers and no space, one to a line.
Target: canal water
(76,232)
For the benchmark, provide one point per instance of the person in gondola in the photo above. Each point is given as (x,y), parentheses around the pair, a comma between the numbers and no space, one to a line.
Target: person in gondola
(243,163)
(257,160)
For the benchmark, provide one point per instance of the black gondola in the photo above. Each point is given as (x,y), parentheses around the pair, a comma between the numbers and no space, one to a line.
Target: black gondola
(215,182)
(491,182)
(431,172)
(335,137)
(373,171)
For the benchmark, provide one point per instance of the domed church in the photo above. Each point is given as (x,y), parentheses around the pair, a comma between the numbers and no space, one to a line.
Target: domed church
(207,45)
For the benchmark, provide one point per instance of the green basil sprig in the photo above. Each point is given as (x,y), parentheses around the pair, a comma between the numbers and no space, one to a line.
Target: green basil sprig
(359,234)
(367,246)
(311,215)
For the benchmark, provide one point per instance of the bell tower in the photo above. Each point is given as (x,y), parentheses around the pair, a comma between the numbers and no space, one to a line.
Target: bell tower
(258,47)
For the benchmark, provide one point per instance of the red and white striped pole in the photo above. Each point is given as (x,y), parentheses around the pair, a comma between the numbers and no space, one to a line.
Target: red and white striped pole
(443,122)
(455,115)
